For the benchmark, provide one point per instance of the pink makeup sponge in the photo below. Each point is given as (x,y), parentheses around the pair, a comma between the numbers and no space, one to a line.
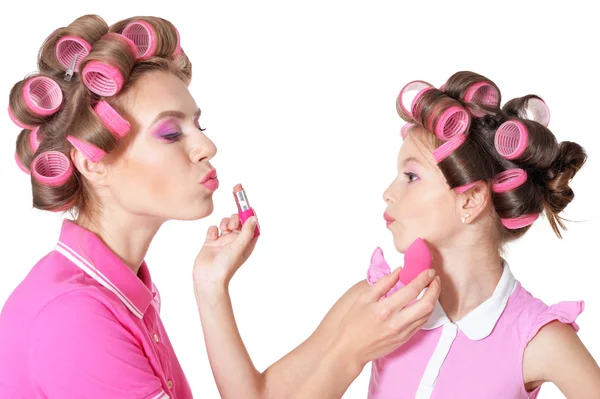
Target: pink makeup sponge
(416,260)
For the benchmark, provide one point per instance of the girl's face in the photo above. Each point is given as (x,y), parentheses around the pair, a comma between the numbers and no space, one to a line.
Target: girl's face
(161,171)
(420,202)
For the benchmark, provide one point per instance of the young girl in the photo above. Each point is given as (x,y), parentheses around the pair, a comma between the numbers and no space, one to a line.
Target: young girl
(111,132)
(472,176)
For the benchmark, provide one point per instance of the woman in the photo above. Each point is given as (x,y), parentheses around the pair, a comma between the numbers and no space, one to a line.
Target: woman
(472,176)
(111,132)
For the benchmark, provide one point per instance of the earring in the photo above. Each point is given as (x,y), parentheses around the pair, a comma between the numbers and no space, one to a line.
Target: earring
(464,218)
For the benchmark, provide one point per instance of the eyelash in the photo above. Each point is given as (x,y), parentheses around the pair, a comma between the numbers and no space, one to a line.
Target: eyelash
(410,175)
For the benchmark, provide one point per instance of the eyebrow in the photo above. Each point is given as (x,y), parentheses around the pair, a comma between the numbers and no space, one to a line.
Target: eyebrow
(174,114)
(409,159)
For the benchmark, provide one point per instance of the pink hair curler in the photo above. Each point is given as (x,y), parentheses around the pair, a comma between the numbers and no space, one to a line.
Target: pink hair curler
(52,168)
(18,122)
(34,139)
(443,87)
(142,34)
(178,49)
(463,188)
(537,110)
(408,97)
(453,121)
(508,180)
(69,47)
(111,120)
(88,150)
(404,130)
(442,152)
(482,93)
(20,164)
(42,95)
(102,79)
(520,221)
(511,139)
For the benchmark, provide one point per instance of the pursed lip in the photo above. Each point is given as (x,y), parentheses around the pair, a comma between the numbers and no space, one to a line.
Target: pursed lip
(388,219)
(210,175)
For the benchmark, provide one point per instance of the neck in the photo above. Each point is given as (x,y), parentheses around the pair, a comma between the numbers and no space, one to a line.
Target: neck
(127,235)
(469,275)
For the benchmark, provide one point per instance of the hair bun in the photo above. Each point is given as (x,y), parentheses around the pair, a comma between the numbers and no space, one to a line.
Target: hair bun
(571,157)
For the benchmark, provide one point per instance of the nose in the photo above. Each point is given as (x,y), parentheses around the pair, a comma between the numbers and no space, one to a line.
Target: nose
(203,149)
(388,196)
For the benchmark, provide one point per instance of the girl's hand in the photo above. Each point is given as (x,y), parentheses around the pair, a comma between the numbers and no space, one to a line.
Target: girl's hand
(223,253)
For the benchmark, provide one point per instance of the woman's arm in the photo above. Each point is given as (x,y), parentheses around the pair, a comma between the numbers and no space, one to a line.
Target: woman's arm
(356,330)
(557,355)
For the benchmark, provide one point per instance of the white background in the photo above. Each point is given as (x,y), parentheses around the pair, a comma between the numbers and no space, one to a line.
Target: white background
(299,98)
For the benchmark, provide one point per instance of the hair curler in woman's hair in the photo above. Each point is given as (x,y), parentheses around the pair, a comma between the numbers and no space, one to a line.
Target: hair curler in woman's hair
(520,221)
(34,99)
(88,150)
(511,139)
(484,94)
(530,107)
(109,65)
(72,47)
(111,120)
(442,152)
(143,35)
(51,168)
(34,139)
(178,49)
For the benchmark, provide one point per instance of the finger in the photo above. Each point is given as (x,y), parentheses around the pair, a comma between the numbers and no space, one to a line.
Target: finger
(407,294)
(424,306)
(223,226)
(243,241)
(234,222)
(212,233)
(383,285)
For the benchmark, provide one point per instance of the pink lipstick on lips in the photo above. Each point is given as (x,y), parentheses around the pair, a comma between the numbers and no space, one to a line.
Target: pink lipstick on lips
(211,181)
(388,219)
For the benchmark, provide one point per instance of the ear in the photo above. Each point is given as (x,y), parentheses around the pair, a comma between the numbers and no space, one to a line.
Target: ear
(474,201)
(96,172)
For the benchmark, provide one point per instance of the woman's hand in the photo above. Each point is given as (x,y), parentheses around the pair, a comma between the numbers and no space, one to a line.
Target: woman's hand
(374,327)
(223,254)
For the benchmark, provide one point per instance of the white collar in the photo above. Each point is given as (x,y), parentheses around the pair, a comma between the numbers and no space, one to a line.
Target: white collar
(480,322)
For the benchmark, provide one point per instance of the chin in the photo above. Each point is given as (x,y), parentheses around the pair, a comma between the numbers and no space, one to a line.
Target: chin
(199,211)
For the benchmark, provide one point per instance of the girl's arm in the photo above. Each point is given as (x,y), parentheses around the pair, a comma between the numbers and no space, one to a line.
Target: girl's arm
(557,355)
(357,329)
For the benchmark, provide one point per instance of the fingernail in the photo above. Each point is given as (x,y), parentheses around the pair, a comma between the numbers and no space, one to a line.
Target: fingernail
(437,278)
(431,273)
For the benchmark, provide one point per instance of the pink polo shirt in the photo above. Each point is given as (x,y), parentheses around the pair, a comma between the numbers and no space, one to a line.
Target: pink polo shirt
(478,356)
(83,325)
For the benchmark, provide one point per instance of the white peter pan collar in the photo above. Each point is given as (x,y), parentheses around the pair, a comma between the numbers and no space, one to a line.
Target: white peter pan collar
(480,322)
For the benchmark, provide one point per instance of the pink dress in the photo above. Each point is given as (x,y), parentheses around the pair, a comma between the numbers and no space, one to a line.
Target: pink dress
(479,356)
(83,325)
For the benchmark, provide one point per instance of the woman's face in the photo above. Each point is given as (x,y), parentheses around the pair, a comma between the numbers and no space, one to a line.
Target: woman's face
(162,171)
(420,202)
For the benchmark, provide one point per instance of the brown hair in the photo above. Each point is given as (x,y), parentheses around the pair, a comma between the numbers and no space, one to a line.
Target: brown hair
(549,165)
(76,116)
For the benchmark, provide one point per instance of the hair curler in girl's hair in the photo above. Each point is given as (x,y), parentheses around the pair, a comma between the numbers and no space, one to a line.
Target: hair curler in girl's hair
(442,152)
(404,130)
(508,180)
(72,47)
(88,150)
(143,35)
(520,221)
(530,107)
(37,98)
(482,93)
(447,122)
(51,168)
(511,139)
